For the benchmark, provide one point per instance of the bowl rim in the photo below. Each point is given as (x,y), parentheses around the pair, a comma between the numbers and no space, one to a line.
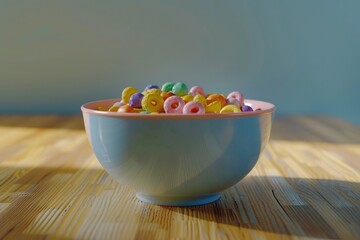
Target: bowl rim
(85,108)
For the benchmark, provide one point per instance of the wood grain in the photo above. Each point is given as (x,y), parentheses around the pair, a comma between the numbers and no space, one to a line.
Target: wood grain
(305,185)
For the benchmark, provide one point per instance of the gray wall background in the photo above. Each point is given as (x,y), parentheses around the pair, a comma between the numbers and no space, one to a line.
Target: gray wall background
(302,55)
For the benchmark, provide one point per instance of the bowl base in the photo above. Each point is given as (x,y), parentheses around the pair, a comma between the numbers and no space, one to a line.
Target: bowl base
(178,201)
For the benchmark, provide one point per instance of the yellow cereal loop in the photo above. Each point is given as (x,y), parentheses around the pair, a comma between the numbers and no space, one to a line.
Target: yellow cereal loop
(230,109)
(187,98)
(201,99)
(114,109)
(216,97)
(127,93)
(152,90)
(152,103)
(213,107)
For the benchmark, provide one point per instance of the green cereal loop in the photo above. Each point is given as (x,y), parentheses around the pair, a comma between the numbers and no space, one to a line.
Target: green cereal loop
(167,87)
(180,89)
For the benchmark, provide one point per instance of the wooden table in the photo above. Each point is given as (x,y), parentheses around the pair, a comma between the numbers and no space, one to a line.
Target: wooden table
(305,185)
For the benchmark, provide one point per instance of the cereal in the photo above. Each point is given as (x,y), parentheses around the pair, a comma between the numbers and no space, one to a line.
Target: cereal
(230,109)
(238,96)
(201,99)
(213,107)
(125,109)
(196,90)
(180,89)
(166,95)
(246,108)
(118,104)
(151,86)
(176,98)
(193,108)
(152,90)
(187,98)
(216,97)
(174,104)
(233,101)
(114,109)
(152,102)
(135,100)
(167,87)
(127,93)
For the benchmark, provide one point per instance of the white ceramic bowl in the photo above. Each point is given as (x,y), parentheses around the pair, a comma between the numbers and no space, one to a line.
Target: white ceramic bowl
(178,160)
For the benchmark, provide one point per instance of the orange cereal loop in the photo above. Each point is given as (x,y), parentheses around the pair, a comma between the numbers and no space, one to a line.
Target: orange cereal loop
(125,109)
(187,98)
(127,93)
(213,107)
(201,99)
(152,103)
(137,110)
(166,95)
(216,97)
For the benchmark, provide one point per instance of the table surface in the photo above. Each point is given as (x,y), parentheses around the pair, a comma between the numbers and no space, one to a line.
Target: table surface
(305,185)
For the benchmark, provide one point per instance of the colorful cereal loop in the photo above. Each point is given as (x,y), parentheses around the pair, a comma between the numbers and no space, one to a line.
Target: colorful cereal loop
(127,93)
(193,108)
(152,103)
(230,109)
(174,104)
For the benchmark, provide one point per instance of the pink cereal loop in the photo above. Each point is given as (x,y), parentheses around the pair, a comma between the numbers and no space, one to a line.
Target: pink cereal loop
(238,96)
(196,90)
(194,108)
(174,104)
(233,101)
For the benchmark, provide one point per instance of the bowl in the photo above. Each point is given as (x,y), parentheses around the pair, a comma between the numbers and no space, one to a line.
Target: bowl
(175,159)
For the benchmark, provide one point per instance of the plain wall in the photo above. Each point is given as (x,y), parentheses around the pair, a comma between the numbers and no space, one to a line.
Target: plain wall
(302,55)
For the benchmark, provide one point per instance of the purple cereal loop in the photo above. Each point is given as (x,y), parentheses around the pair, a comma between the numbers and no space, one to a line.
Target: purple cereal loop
(246,108)
(151,86)
(135,100)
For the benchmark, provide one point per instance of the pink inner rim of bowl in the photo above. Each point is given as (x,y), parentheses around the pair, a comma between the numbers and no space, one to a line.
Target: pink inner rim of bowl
(90,108)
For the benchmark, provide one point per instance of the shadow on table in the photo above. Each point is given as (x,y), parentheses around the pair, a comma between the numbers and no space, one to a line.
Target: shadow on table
(74,122)
(314,129)
(292,206)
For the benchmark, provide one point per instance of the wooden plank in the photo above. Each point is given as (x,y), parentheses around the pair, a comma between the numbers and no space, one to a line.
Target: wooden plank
(305,185)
